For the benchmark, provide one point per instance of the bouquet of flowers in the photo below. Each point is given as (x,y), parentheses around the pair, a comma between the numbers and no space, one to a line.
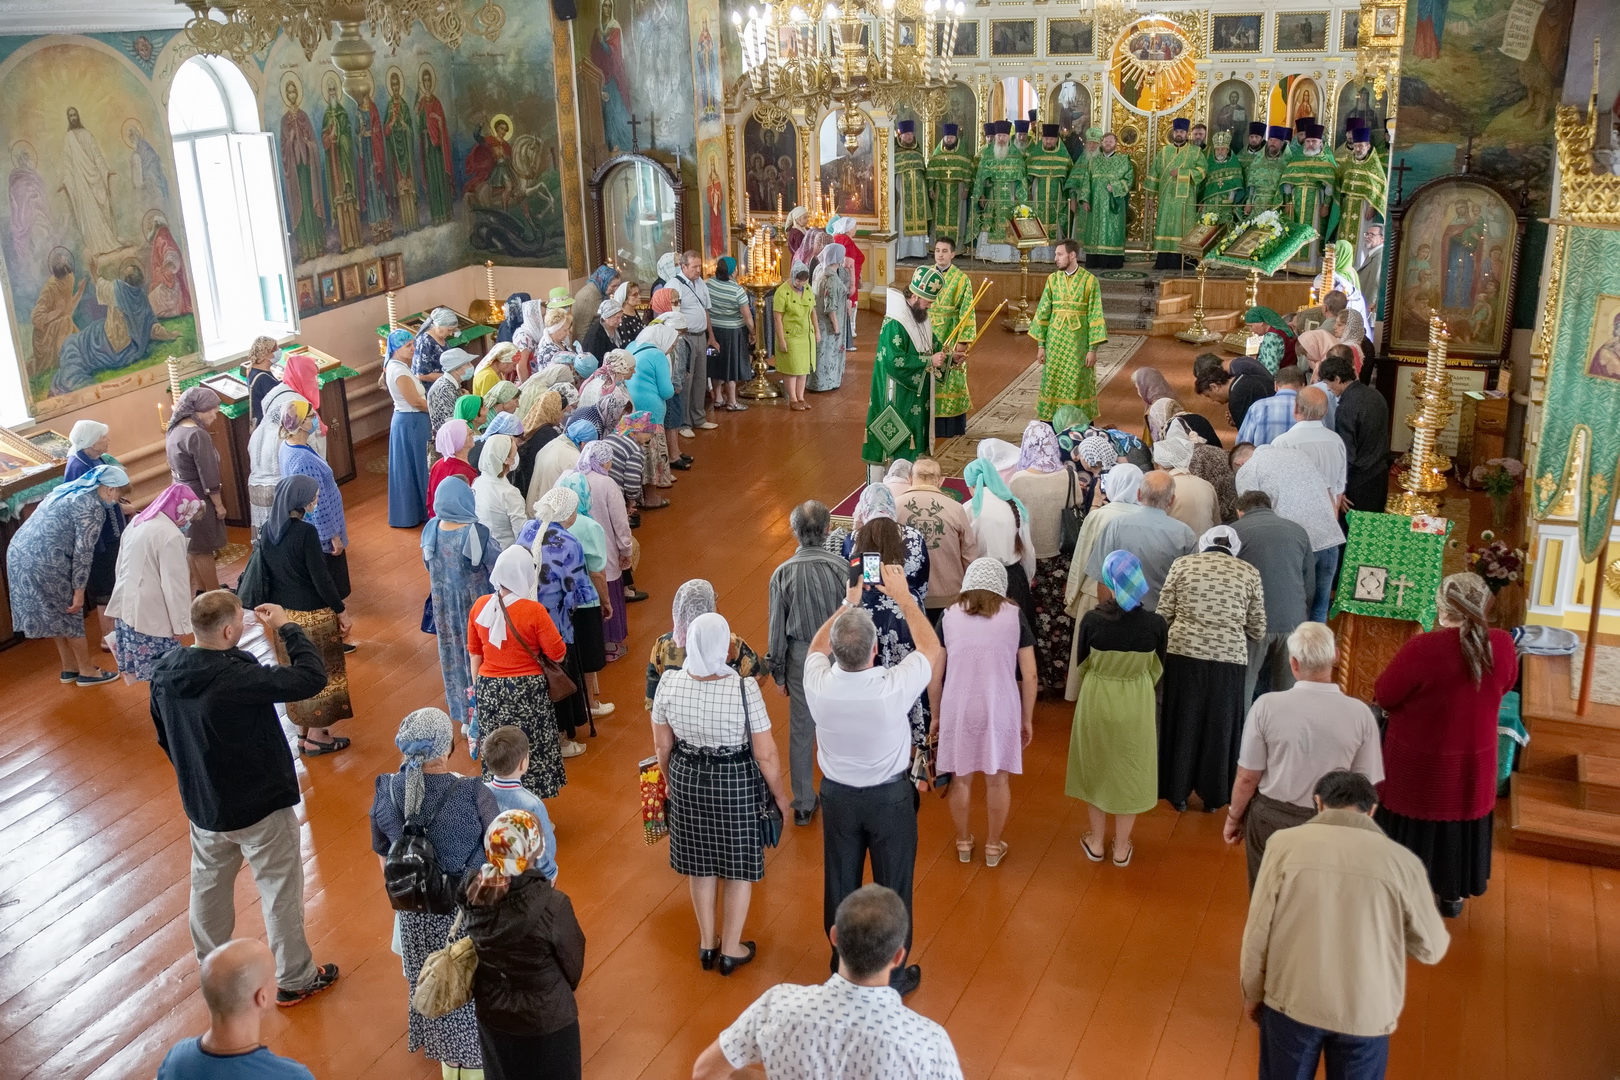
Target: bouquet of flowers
(1496,562)
(1022,211)
(1500,477)
(1209,218)
(1268,222)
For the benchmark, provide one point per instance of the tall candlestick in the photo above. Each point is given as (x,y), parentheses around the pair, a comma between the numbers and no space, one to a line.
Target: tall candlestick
(393,314)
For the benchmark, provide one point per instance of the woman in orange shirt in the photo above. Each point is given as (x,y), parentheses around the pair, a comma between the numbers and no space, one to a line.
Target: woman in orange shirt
(507,633)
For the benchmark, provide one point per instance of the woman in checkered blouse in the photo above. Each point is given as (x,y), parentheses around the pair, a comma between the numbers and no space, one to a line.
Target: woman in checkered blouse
(715,750)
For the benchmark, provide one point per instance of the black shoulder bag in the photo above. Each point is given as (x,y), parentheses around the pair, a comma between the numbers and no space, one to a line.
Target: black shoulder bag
(770,815)
(1071,520)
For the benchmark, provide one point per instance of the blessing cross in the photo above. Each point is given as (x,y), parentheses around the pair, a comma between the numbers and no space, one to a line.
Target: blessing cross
(1401,585)
(635,132)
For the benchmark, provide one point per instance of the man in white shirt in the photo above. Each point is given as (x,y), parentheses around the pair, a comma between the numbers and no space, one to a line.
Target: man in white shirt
(1310,436)
(1293,738)
(692,301)
(853,1026)
(1299,494)
(863,745)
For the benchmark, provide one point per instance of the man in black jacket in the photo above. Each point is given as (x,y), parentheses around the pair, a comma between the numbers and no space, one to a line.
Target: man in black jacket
(1245,383)
(1362,421)
(214,709)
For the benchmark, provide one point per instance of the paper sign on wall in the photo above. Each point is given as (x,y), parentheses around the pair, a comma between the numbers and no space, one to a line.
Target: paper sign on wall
(1520,32)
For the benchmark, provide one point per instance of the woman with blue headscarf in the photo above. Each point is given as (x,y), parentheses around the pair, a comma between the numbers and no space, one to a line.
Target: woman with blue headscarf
(557,457)
(590,633)
(1001,525)
(514,316)
(48,567)
(1113,745)
(408,434)
(459,555)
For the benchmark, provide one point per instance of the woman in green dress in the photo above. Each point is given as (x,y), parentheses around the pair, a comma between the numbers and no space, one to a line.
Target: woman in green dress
(1113,746)
(795,315)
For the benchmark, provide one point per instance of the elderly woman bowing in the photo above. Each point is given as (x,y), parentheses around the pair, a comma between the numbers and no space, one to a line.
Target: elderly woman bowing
(89,441)
(48,566)
(151,602)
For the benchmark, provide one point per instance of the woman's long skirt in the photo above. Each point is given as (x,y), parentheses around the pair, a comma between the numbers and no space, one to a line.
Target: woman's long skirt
(829,372)
(136,652)
(1113,744)
(1200,726)
(452,1038)
(733,363)
(407,469)
(1457,854)
(655,461)
(1052,625)
(714,814)
(553,1056)
(617,626)
(331,704)
(523,702)
(588,638)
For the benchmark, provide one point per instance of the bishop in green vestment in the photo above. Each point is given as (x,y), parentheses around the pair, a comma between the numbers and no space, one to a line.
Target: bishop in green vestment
(1047,169)
(903,373)
(1068,325)
(1223,184)
(1307,189)
(1175,177)
(1263,175)
(910,192)
(953,305)
(1363,187)
(950,173)
(1077,186)
(1109,178)
(998,187)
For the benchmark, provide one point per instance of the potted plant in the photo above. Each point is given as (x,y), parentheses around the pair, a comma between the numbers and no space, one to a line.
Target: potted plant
(1500,477)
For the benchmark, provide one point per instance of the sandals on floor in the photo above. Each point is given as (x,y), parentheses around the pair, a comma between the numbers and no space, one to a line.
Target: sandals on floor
(1085,846)
(338,743)
(1130,849)
(994,853)
(964,850)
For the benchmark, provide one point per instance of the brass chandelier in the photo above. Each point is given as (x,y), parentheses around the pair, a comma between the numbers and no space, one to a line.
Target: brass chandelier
(816,53)
(241,28)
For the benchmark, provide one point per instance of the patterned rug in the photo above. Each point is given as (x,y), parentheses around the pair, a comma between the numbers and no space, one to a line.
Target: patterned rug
(1605,674)
(1007,414)
(1122,275)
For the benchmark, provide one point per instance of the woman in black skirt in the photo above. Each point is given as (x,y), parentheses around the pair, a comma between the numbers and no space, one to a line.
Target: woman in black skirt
(718,759)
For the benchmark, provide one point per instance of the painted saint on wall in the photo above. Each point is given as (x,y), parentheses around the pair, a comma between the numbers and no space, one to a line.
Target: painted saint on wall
(438,167)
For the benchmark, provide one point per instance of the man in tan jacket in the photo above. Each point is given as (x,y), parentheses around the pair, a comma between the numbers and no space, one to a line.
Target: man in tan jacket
(1337,909)
(945,527)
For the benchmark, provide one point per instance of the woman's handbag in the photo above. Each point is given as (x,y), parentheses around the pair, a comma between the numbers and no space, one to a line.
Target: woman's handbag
(253,587)
(770,815)
(559,687)
(1071,519)
(445,982)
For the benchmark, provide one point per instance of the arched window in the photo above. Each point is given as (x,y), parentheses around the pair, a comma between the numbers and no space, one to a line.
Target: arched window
(232,204)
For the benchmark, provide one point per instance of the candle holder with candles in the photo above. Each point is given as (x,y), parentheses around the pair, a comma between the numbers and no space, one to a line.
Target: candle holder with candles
(761,276)
(1421,482)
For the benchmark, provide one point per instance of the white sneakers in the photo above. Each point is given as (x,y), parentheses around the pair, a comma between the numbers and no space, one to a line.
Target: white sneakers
(601,709)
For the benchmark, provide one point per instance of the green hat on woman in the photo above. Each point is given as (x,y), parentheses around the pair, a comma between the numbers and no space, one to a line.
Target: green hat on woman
(927,283)
(559,298)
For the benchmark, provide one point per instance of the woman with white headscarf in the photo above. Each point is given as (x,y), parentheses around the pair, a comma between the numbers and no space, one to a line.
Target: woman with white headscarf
(1119,485)
(694,598)
(564,587)
(830,286)
(1196,503)
(1214,604)
(507,633)
(713,738)
(1001,454)
(500,507)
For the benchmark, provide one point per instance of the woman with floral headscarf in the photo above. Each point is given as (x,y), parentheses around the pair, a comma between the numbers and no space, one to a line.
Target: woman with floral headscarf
(260,378)
(694,598)
(630,440)
(733,323)
(797,337)
(455,810)
(1113,743)
(1044,484)
(498,365)
(1210,464)
(151,603)
(407,433)
(541,424)
(194,461)
(459,554)
(531,329)
(564,586)
(531,956)
(830,287)
(298,458)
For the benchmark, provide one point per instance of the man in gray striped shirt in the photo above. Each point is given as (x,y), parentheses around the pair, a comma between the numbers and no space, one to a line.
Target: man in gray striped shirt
(805,591)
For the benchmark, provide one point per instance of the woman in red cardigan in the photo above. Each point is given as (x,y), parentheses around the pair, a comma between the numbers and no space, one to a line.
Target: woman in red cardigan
(1442,691)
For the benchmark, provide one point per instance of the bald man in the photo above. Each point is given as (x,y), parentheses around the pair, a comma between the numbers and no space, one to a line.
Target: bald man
(1149,532)
(1311,435)
(239,987)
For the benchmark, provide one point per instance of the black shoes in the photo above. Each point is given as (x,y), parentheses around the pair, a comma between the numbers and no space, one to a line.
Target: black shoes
(728,964)
(706,957)
(906,979)
(1451,909)
(634,596)
(682,463)
(325,976)
(802,817)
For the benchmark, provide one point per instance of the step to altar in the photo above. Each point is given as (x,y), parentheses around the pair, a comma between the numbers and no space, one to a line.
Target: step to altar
(1565,797)
(1218,322)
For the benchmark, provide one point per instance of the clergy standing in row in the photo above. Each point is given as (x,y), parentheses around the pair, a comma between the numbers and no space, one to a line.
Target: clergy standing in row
(1263,174)
(1307,190)
(1363,186)
(1175,177)
(903,373)
(910,192)
(997,188)
(1077,187)
(1047,168)
(954,304)
(1105,200)
(1223,184)
(1256,145)
(1068,326)
(950,175)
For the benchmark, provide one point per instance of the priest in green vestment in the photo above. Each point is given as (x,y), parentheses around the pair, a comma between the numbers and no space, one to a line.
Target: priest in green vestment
(1047,168)
(1263,175)
(1109,178)
(950,174)
(1174,177)
(1021,142)
(997,189)
(1256,145)
(953,305)
(1307,190)
(1363,187)
(903,373)
(1077,186)
(1068,326)
(1223,184)
(910,192)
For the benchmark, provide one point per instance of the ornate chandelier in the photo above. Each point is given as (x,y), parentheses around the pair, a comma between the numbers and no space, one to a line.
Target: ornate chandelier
(814,53)
(241,28)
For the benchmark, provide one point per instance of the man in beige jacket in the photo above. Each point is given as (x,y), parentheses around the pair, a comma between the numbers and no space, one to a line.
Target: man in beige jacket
(1337,909)
(945,527)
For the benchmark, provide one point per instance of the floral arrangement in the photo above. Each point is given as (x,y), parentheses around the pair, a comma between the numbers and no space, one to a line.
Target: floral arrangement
(1496,562)
(1268,222)
(1208,218)
(1022,211)
(1500,476)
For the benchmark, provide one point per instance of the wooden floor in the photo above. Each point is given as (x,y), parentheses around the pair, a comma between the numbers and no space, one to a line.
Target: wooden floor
(1048,966)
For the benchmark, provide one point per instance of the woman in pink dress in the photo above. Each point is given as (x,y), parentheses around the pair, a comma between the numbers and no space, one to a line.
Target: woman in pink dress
(987,709)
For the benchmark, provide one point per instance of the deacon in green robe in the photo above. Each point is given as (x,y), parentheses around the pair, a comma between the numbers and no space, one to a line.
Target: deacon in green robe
(950,174)
(1175,176)
(1263,175)
(1363,187)
(997,189)
(910,192)
(903,373)
(1109,179)
(1068,325)
(1223,184)
(1047,168)
(1307,188)
(953,305)
(1077,186)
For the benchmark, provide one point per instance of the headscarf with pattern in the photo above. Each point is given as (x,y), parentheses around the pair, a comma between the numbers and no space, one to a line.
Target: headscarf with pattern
(876,501)
(637,423)
(177,502)
(1097,453)
(1159,416)
(595,457)
(514,843)
(423,736)
(1039,451)
(558,504)
(500,394)
(602,277)
(693,599)
(1169,453)
(1122,573)
(112,476)
(985,575)
(1151,385)
(398,338)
